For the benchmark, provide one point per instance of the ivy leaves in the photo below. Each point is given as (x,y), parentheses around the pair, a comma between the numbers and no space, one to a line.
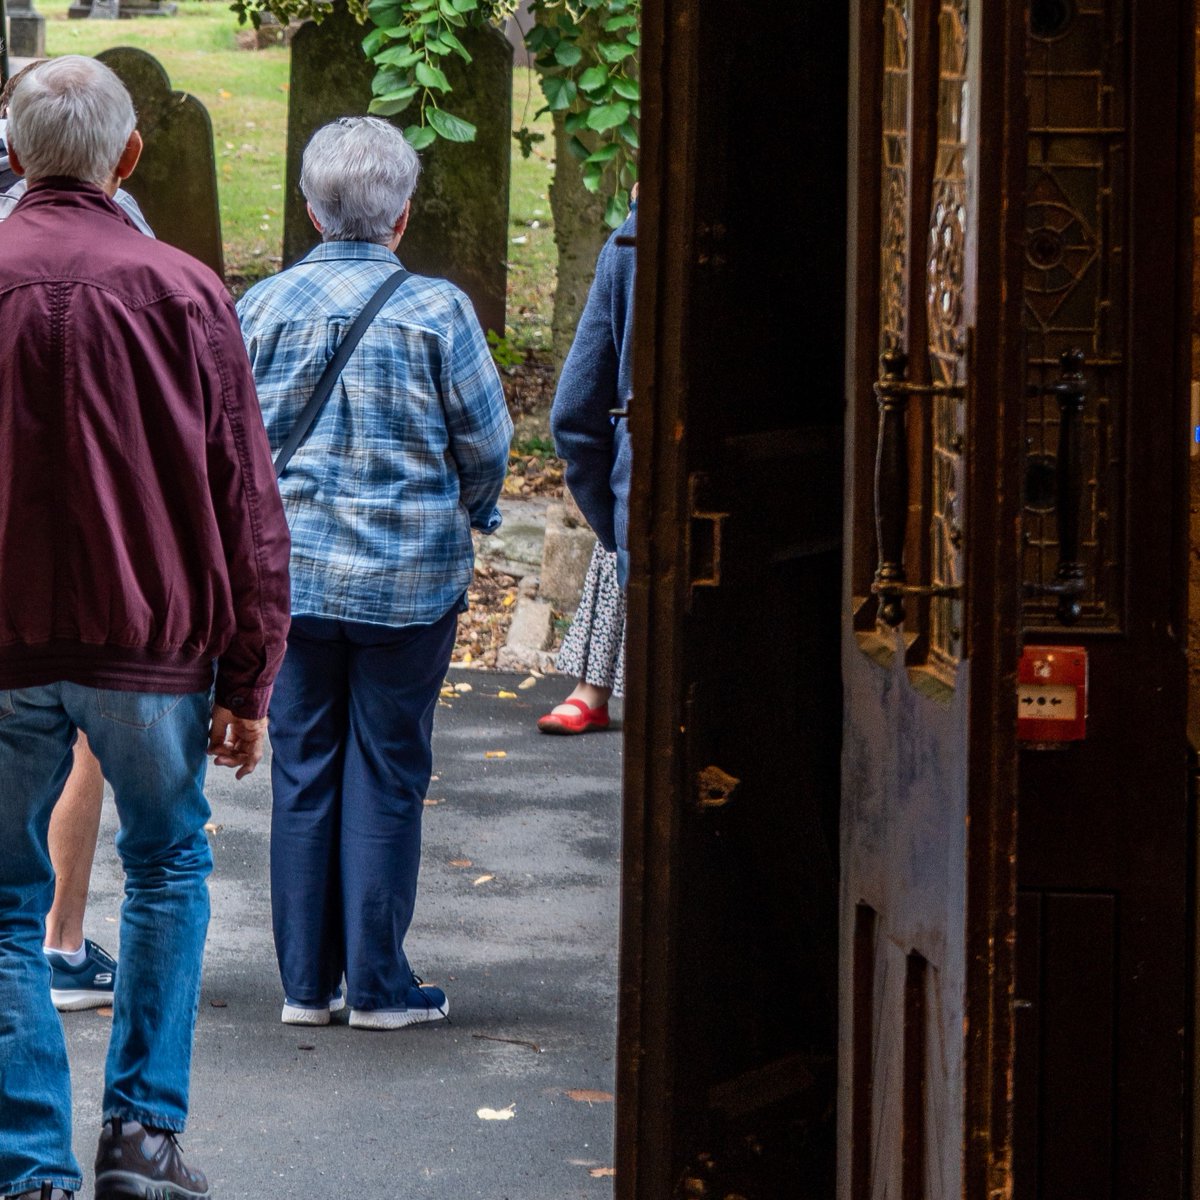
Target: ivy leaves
(587,55)
(410,40)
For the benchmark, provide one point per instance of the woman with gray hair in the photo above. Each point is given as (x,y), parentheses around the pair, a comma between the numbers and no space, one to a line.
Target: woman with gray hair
(404,456)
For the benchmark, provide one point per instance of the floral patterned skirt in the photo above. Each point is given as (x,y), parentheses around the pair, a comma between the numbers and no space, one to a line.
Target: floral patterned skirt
(594,648)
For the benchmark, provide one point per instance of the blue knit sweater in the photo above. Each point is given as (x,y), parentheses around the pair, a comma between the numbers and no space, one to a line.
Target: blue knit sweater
(597,376)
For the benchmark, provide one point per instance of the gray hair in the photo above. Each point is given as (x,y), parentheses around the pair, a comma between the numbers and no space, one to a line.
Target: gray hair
(358,174)
(72,117)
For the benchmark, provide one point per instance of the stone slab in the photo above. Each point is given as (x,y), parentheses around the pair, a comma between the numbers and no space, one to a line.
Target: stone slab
(566,555)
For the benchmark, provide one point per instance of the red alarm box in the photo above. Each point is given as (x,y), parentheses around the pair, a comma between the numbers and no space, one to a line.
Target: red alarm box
(1052,694)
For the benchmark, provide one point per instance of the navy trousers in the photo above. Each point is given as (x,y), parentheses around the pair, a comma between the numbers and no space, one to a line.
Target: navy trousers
(351,720)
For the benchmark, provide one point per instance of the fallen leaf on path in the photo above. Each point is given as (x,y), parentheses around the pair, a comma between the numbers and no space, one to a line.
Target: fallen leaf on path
(497,1114)
(461,862)
(496,754)
(213,827)
(305,1046)
(462,688)
(467,659)
(106,1011)
(589,1096)
(509,600)
(602,1172)
(526,684)
(483,879)
(219,1003)
(448,692)
(507,695)
(430,803)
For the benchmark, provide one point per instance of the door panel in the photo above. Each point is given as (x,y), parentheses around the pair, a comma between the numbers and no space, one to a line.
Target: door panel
(729,916)
(930,646)
(1103,852)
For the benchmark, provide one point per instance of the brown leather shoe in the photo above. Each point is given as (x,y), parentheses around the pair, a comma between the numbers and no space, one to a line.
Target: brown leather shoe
(136,1163)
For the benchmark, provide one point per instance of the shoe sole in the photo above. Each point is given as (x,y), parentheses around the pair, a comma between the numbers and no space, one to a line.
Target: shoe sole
(385,1021)
(124,1185)
(68,1001)
(565,731)
(295,1015)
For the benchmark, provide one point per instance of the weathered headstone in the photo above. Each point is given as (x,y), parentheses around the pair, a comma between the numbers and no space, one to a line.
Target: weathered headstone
(459,224)
(26,30)
(176,180)
(125,9)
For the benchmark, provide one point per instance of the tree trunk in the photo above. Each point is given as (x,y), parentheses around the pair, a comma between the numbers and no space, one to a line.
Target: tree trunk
(579,229)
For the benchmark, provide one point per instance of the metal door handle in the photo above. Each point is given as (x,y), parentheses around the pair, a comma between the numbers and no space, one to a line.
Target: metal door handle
(1069,581)
(892,391)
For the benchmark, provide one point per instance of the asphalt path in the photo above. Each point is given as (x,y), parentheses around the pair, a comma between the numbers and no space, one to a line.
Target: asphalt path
(516,919)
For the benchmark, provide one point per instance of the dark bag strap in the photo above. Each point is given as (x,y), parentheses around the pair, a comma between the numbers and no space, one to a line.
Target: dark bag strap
(334,368)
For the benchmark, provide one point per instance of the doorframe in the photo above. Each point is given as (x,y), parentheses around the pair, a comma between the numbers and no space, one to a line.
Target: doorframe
(653,767)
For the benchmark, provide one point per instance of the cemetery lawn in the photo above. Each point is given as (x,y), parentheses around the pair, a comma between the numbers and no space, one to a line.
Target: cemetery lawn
(246,94)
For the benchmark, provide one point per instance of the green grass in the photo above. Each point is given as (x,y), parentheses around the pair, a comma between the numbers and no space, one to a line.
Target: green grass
(246,93)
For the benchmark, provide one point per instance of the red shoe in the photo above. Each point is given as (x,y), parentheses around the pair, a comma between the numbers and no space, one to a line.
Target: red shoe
(588,719)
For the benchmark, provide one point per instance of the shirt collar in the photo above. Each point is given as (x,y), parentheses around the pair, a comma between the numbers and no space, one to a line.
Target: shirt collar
(331,251)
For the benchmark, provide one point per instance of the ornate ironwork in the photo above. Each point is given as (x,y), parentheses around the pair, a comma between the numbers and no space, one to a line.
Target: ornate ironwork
(1076,217)
(945,282)
(897,146)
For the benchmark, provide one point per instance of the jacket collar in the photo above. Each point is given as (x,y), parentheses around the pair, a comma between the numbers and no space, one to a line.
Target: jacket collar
(60,192)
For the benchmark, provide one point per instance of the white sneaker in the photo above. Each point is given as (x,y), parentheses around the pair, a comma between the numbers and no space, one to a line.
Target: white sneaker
(425,1003)
(297,1014)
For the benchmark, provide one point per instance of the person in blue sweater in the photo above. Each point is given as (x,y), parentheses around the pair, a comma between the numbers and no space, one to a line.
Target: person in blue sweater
(596,379)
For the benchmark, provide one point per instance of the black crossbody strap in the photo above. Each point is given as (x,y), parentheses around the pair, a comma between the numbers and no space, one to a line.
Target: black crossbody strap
(334,367)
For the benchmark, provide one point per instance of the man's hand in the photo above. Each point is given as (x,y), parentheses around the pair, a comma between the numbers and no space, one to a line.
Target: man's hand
(236,741)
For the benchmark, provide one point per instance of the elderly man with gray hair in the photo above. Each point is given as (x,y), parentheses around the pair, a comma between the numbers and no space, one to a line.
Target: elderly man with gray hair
(143,600)
(396,458)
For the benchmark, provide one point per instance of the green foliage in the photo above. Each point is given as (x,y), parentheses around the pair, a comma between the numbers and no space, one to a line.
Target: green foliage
(504,354)
(586,54)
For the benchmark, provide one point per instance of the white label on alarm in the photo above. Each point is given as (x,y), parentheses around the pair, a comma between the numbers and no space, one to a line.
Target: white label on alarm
(1046,701)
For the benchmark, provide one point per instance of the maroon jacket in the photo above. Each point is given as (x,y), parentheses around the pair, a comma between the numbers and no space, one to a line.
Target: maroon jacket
(141,531)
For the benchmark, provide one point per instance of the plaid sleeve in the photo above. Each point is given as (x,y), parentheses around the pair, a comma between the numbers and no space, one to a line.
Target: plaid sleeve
(476,417)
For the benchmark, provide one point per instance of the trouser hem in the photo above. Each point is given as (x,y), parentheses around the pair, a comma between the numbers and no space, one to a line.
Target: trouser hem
(146,1118)
(68,1183)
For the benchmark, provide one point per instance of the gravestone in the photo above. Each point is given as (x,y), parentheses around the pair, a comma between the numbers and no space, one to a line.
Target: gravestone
(459,224)
(176,179)
(108,10)
(26,30)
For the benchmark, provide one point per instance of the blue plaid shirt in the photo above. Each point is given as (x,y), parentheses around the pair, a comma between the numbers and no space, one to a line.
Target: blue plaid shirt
(410,450)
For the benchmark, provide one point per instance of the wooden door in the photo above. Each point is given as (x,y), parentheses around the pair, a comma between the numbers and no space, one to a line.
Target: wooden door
(729,911)
(931,604)
(1104,850)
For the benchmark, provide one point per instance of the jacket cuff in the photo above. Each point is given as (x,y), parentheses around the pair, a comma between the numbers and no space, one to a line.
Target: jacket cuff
(490,523)
(250,703)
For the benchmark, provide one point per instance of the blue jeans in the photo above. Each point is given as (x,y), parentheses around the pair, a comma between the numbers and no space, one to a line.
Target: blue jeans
(152,749)
(351,722)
